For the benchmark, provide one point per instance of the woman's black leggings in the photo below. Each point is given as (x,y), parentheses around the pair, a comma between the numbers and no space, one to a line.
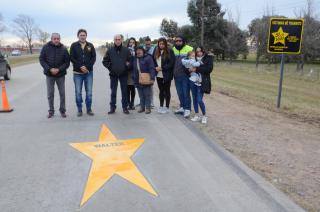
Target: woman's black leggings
(131,91)
(164,91)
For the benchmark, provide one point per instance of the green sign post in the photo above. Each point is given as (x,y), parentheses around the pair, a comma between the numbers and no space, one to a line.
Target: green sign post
(285,37)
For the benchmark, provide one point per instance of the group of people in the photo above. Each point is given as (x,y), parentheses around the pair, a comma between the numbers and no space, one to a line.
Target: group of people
(135,67)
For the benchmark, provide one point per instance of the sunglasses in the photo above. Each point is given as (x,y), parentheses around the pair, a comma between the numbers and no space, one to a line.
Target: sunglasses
(178,40)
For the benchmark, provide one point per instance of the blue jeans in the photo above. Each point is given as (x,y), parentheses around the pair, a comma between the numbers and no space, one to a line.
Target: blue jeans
(183,91)
(145,96)
(87,80)
(197,98)
(114,86)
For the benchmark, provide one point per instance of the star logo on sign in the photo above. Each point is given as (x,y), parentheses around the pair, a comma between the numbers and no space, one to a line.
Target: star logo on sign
(109,157)
(280,36)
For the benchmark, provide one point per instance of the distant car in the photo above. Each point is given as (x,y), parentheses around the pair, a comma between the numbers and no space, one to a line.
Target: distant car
(16,53)
(5,69)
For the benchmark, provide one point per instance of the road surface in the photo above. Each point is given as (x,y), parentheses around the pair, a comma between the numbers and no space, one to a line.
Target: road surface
(40,171)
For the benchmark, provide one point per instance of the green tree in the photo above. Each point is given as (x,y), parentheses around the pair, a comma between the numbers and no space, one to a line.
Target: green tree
(215,27)
(236,42)
(168,28)
(188,33)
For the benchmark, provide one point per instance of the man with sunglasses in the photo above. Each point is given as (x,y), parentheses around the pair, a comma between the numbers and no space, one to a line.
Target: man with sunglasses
(181,77)
(55,60)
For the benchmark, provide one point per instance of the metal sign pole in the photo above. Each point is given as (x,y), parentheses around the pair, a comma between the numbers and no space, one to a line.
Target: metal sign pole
(280,81)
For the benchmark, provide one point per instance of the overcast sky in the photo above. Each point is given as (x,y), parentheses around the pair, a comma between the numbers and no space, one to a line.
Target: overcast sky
(104,18)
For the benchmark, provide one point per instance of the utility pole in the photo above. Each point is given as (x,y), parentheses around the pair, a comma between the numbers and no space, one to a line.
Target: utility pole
(280,81)
(202,22)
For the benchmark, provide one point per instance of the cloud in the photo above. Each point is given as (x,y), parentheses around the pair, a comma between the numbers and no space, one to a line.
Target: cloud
(139,24)
(101,18)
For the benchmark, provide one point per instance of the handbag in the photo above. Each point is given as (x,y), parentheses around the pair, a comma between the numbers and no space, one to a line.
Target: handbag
(144,78)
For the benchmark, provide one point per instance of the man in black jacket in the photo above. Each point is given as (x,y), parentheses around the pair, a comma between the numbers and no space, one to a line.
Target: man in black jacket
(83,57)
(116,60)
(55,60)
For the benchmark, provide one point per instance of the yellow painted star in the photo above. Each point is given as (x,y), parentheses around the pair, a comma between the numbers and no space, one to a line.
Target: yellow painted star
(280,36)
(111,156)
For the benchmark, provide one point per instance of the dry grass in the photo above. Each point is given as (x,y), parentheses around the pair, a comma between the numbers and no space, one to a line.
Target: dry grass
(23,60)
(301,92)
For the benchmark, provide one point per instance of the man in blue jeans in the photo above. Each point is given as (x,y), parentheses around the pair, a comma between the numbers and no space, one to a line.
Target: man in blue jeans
(83,57)
(181,77)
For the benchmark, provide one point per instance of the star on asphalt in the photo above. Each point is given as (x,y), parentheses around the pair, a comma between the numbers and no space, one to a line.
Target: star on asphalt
(280,36)
(111,156)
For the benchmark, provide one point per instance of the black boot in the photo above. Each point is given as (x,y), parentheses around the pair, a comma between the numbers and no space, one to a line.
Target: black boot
(112,111)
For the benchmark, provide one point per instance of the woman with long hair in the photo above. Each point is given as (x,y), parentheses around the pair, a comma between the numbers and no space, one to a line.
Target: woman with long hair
(200,83)
(131,90)
(164,59)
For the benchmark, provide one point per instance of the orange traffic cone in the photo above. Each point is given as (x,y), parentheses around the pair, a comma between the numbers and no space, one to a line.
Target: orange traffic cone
(5,102)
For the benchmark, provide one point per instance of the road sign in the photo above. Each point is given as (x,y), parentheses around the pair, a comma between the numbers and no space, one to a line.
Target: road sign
(285,35)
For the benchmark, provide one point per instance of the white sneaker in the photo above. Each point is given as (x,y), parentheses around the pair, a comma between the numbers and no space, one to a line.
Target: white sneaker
(187,113)
(180,110)
(165,110)
(196,118)
(204,120)
(160,110)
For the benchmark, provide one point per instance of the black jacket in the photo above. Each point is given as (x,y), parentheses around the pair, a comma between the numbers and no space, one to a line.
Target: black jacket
(115,60)
(205,69)
(167,65)
(82,57)
(52,56)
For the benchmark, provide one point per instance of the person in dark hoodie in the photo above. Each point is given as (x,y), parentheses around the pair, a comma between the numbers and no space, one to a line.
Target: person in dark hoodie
(83,57)
(132,45)
(54,59)
(181,76)
(117,61)
(143,63)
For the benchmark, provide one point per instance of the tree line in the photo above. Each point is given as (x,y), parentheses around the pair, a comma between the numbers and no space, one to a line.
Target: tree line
(227,41)
(221,36)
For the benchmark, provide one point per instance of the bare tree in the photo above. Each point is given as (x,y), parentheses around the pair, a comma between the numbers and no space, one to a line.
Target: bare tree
(311,40)
(236,39)
(43,36)
(25,28)
(258,32)
(2,26)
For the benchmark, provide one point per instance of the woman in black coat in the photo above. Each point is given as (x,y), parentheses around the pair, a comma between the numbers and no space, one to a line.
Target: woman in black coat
(198,91)
(164,60)
(131,90)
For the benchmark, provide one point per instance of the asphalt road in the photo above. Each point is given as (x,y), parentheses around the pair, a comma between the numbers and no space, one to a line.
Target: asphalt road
(40,171)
